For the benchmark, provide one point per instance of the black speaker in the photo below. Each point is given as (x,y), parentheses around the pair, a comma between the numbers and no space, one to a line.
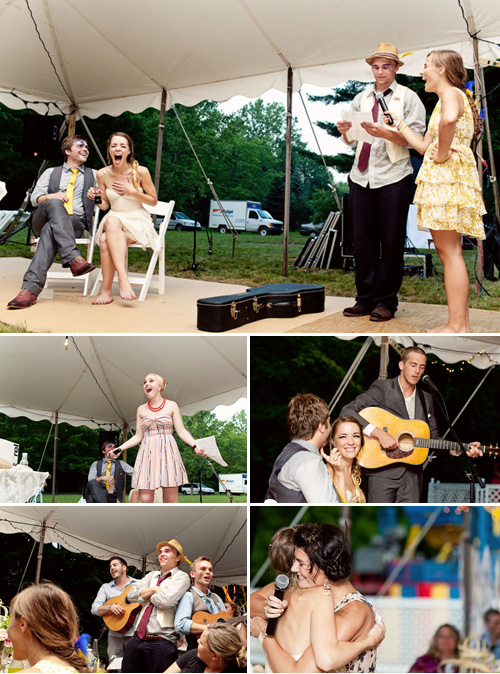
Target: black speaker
(109,436)
(40,138)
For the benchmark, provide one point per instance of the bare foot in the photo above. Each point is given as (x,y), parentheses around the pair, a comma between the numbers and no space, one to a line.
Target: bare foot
(126,292)
(447,328)
(104,298)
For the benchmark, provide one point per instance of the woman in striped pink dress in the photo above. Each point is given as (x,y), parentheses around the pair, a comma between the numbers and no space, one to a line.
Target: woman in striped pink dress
(158,462)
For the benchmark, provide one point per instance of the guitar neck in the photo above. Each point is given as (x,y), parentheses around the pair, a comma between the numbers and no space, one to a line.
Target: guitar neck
(445,445)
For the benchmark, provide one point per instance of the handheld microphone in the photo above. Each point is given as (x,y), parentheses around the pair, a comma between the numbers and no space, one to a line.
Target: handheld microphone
(281,583)
(427,380)
(380,98)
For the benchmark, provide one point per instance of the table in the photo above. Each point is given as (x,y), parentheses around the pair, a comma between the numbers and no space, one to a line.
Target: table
(19,484)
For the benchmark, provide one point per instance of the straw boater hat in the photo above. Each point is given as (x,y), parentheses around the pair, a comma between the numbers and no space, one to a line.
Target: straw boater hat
(385,50)
(173,544)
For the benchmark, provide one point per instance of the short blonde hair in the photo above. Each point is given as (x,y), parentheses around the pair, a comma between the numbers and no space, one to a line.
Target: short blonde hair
(159,379)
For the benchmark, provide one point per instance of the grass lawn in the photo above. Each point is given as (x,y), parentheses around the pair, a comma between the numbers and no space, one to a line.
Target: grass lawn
(259,260)
(207,500)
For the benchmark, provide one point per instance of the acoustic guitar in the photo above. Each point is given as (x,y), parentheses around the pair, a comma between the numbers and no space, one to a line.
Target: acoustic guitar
(122,623)
(204,618)
(412,436)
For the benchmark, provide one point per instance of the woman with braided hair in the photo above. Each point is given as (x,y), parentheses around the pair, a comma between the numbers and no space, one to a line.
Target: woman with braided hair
(448,196)
(43,629)
(325,624)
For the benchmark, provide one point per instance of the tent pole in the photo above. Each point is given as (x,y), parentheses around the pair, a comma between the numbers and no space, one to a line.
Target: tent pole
(56,437)
(159,146)
(72,121)
(40,553)
(349,374)
(479,149)
(288,168)
(125,433)
(384,357)
(144,564)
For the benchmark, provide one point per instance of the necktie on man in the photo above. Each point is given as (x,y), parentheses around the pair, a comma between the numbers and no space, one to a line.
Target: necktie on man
(108,473)
(364,155)
(69,191)
(143,625)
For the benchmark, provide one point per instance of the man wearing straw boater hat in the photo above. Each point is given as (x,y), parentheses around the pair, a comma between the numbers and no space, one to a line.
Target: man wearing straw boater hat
(381,187)
(153,647)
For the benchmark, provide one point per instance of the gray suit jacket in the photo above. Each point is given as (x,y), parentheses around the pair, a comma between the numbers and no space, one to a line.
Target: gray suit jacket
(386,394)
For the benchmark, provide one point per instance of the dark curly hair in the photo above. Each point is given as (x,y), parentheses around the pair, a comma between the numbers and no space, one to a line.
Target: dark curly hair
(328,549)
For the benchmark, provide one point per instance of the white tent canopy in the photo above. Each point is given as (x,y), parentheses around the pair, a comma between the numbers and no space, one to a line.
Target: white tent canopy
(218,533)
(116,56)
(98,379)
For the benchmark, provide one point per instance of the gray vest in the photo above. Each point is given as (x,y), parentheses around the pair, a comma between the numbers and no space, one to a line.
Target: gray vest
(198,605)
(119,476)
(276,490)
(88,182)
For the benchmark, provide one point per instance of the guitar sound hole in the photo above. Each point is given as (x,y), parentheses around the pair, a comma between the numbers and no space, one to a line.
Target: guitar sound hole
(406,442)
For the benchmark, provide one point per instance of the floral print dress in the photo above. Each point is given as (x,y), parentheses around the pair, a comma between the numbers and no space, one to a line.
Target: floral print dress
(448,195)
(367,660)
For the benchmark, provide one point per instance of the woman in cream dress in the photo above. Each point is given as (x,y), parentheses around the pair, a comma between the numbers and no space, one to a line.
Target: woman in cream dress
(124,187)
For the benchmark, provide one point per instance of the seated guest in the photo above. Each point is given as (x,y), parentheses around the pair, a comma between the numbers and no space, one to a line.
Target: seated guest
(491,635)
(64,207)
(220,649)
(44,628)
(197,598)
(106,480)
(443,646)
(234,611)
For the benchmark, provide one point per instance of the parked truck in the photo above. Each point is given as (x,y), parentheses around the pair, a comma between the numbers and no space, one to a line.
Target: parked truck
(235,482)
(244,216)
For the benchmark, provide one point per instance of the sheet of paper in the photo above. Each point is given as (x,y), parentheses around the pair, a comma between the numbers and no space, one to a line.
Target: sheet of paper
(356,132)
(209,445)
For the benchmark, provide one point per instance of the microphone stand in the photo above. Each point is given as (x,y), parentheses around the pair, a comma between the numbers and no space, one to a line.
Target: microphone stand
(473,476)
(210,465)
(194,266)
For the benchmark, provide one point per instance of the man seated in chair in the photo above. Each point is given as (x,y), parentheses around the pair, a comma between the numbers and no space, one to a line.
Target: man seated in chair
(106,481)
(63,209)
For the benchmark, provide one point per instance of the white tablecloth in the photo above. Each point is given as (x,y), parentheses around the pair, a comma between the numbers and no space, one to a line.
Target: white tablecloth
(18,486)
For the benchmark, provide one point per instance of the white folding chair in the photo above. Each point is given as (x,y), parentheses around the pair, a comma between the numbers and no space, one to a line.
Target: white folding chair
(162,208)
(87,239)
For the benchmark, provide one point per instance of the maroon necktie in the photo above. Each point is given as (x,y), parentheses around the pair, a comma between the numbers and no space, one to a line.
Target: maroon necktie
(364,155)
(142,629)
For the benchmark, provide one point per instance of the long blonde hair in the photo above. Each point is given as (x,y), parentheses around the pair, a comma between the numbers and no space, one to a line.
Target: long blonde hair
(456,74)
(52,620)
(226,641)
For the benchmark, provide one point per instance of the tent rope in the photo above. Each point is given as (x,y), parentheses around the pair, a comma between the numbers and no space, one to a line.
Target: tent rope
(332,186)
(45,448)
(26,567)
(208,181)
(230,542)
(48,54)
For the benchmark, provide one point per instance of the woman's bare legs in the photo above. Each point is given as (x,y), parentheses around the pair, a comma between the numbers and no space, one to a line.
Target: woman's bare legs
(170,494)
(146,495)
(456,281)
(108,272)
(117,245)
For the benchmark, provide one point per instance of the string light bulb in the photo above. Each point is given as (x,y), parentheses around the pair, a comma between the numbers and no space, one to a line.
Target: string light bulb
(66,343)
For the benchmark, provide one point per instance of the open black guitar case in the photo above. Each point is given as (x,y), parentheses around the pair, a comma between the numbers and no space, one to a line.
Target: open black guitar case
(275,300)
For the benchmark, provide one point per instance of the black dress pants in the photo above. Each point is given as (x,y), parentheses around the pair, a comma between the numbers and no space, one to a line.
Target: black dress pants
(148,656)
(379,231)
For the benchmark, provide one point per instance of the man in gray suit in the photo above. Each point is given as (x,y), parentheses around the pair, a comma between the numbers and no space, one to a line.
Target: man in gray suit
(63,209)
(398,482)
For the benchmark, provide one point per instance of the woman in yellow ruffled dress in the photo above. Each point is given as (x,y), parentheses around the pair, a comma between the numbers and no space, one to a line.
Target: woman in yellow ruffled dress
(448,196)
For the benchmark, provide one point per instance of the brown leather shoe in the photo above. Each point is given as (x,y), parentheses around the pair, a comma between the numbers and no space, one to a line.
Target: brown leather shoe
(80,266)
(357,310)
(24,299)
(380,314)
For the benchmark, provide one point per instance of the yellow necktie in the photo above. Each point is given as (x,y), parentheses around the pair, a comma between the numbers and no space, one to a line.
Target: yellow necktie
(69,191)
(108,470)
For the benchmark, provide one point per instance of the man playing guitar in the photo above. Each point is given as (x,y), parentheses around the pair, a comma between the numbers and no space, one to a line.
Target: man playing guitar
(398,482)
(117,641)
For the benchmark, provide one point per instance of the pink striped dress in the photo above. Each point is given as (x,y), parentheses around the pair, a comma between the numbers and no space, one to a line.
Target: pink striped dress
(158,462)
